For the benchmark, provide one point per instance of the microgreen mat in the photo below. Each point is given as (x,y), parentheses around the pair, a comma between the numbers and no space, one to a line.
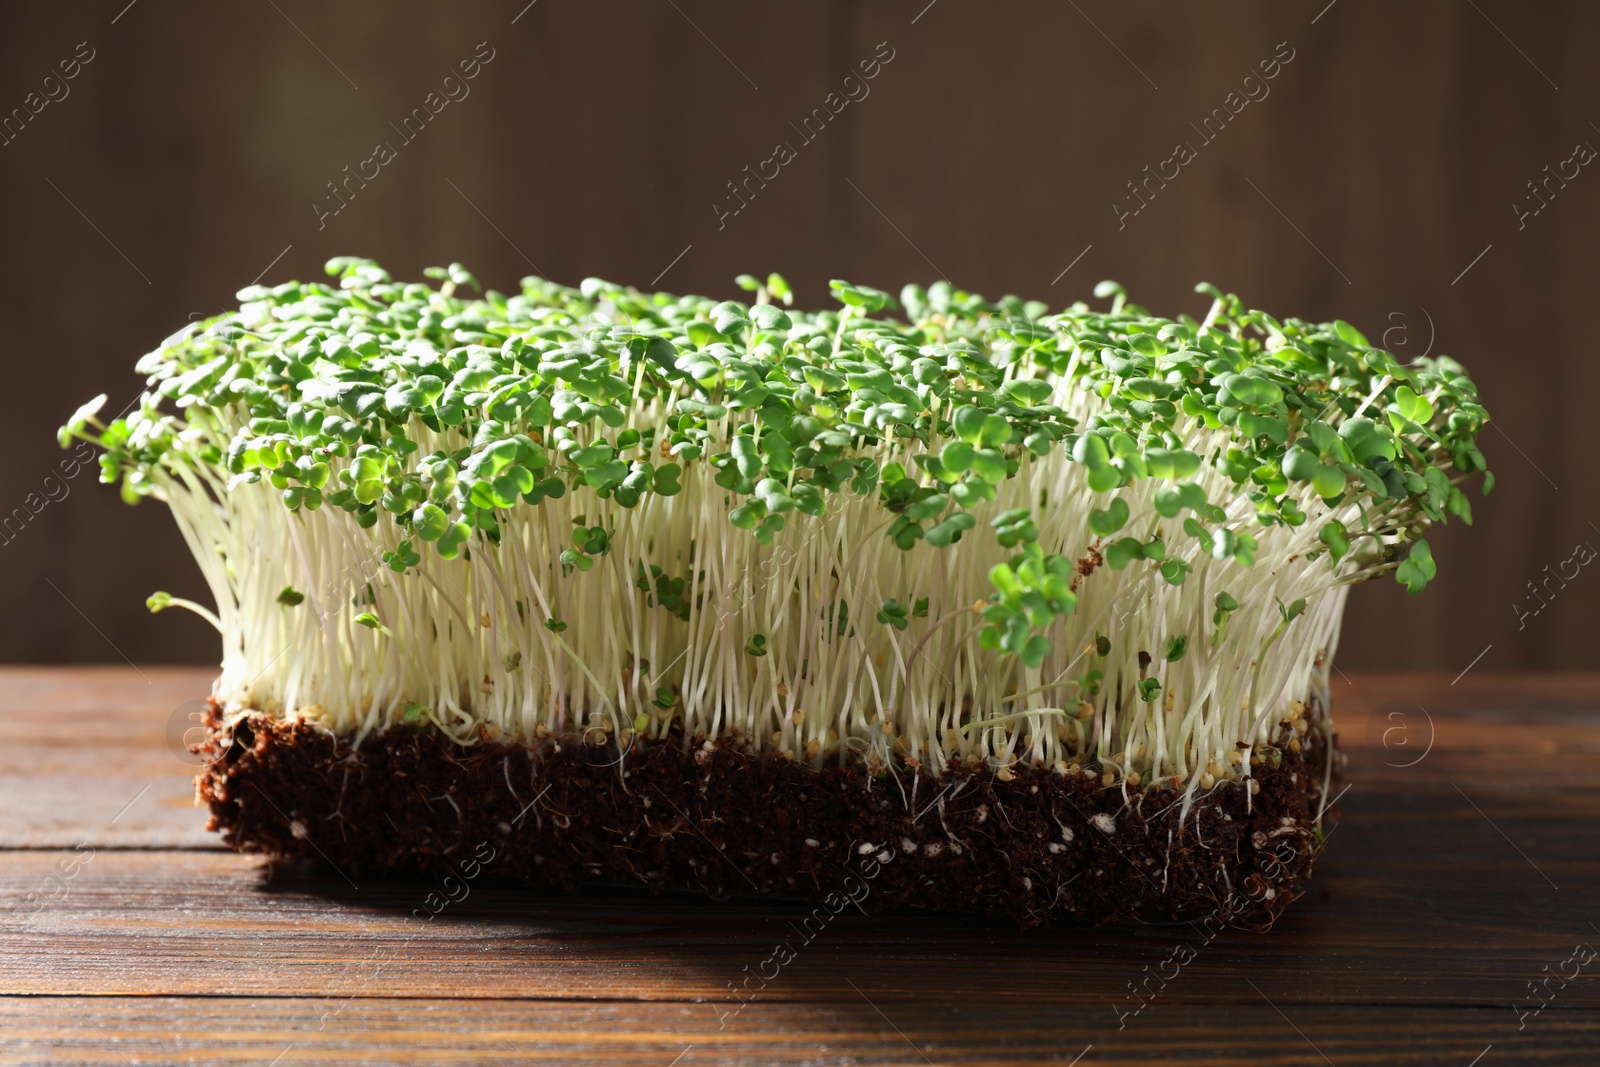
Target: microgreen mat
(917,529)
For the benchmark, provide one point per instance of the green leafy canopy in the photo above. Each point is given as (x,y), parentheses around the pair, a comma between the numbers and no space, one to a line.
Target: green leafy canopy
(928,403)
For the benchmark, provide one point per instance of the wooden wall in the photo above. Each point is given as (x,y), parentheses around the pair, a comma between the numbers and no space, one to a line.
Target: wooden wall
(991,146)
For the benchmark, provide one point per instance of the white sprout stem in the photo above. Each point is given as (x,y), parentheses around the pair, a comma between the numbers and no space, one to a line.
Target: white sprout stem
(465,643)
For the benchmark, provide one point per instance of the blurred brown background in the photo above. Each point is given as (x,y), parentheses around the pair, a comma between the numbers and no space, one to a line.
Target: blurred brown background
(1374,181)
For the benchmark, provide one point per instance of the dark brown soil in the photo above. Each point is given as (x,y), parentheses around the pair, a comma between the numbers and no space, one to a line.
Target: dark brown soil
(714,818)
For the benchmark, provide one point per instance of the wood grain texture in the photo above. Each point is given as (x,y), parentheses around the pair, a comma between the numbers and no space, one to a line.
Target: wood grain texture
(115,1031)
(95,756)
(1448,887)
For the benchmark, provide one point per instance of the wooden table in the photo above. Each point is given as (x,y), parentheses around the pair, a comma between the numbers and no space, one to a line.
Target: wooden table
(130,936)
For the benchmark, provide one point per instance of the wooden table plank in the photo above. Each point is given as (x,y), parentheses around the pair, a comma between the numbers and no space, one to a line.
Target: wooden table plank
(112,1032)
(1451,884)
(1463,921)
(79,747)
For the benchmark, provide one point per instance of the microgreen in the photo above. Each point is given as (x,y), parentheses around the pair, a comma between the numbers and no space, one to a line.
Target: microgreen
(594,472)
